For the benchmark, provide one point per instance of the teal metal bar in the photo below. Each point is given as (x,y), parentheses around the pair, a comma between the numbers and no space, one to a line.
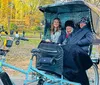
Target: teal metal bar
(15,68)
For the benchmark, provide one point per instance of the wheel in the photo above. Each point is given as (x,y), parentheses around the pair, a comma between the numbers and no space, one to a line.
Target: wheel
(17,42)
(40,82)
(93,75)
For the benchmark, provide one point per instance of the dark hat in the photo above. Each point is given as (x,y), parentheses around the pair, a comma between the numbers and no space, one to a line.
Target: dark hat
(69,23)
(84,20)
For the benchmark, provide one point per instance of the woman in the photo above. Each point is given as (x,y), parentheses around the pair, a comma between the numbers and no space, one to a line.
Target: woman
(69,26)
(55,30)
(76,58)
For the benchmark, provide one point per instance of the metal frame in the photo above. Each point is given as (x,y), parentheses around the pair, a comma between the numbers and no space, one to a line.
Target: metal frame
(49,79)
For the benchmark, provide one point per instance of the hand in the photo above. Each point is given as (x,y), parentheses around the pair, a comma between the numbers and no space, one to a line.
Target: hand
(47,40)
(59,44)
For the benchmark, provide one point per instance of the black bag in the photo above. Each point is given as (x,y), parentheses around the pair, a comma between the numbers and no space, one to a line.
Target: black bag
(4,79)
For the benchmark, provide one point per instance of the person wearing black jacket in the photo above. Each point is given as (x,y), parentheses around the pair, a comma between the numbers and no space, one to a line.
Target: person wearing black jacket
(76,58)
(69,28)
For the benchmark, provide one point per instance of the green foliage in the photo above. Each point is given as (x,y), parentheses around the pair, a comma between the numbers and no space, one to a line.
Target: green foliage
(35,42)
(38,28)
(13,26)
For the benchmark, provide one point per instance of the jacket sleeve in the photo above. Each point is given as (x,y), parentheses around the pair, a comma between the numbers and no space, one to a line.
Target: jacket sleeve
(61,37)
(86,40)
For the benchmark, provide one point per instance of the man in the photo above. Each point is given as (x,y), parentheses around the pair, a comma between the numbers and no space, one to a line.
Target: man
(76,58)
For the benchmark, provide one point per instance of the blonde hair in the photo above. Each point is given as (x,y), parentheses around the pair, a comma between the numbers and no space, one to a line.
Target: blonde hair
(52,26)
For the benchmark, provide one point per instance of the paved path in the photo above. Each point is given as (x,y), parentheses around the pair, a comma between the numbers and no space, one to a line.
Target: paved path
(19,81)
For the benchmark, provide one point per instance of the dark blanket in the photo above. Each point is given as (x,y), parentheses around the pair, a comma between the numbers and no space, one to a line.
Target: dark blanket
(76,58)
(76,62)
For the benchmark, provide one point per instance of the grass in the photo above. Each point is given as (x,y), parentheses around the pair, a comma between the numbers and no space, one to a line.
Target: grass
(32,34)
(32,41)
(19,55)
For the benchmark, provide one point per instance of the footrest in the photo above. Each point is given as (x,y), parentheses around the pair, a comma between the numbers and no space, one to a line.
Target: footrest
(95,60)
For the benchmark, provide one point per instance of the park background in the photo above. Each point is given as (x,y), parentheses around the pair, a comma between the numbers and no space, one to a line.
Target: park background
(24,15)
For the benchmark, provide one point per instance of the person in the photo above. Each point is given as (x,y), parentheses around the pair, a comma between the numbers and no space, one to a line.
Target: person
(17,35)
(76,59)
(69,26)
(55,31)
(23,34)
(11,32)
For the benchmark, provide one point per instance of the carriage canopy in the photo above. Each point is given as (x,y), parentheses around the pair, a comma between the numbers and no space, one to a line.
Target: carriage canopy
(73,10)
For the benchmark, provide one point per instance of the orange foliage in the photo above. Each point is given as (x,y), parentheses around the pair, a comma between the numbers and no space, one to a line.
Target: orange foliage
(5,2)
(27,20)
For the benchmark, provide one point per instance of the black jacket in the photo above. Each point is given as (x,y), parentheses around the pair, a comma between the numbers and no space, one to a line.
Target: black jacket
(82,37)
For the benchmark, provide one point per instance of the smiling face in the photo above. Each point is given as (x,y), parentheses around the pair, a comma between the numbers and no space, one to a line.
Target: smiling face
(69,29)
(56,23)
(55,26)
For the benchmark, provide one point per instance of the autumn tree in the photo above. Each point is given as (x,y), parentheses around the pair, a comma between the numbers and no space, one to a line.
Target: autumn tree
(21,10)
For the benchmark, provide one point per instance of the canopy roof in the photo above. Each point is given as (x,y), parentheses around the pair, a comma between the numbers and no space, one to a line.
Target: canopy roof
(73,10)
(67,6)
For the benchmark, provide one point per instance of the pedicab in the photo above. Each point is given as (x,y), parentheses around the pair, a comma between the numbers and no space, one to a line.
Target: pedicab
(49,56)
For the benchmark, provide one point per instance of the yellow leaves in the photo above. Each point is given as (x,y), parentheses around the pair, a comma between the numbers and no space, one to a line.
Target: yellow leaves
(95,2)
(3,33)
(24,10)
(46,2)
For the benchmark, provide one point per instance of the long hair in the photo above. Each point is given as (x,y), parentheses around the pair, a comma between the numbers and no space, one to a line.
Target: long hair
(52,26)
